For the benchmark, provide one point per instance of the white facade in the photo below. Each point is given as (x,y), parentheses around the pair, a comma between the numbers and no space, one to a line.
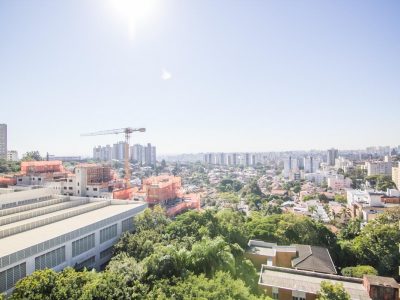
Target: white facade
(41,230)
(12,155)
(379,168)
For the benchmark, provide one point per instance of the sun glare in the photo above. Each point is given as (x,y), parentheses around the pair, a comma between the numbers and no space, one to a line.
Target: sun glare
(133,12)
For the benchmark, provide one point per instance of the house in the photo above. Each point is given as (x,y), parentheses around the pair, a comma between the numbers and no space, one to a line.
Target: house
(289,284)
(300,257)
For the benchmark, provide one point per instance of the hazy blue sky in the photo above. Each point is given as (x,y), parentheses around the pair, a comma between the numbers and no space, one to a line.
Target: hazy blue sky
(201,75)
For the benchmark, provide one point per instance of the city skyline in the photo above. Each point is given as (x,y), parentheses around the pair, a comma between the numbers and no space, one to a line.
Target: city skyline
(241,77)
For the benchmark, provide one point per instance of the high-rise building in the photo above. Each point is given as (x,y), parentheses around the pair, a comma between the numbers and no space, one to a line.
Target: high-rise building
(150,155)
(118,152)
(3,141)
(247,159)
(137,153)
(332,154)
(234,159)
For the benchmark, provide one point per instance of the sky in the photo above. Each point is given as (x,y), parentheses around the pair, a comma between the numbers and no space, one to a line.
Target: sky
(201,76)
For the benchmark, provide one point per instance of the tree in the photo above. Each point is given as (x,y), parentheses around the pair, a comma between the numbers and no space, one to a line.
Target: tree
(359,271)
(340,198)
(155,219)
(69,283)
(351,230)
(296,189)
(37,286)
(377,243)
(229,185)
(220,287)
(31,156)
(322,198)
(332,291)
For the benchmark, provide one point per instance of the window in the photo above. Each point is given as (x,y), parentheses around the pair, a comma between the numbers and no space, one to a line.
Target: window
(78,183)
(95,189)
(106,252)
(19,179)
(50,259)
(40,179)
(70,180)
(127,225)
(9,277)
(65,187)
(83,245)
(275,295)
(108,233)
(70,188)
(87,263)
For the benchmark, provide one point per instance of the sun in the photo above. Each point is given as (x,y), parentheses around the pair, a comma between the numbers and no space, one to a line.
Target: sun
(133,12)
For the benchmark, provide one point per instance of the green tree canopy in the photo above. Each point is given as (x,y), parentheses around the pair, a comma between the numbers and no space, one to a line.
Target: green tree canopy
(31,156)
(332,291)
(359,271)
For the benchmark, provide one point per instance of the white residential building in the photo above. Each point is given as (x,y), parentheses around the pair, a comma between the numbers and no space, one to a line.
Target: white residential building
(12,155)
(379,168)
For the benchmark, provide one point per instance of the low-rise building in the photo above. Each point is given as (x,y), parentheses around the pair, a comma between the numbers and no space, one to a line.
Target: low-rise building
(301,257)
(289,284)
(40,229)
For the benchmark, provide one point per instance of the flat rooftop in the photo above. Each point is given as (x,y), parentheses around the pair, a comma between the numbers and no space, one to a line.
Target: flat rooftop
(309,282)
(26,239)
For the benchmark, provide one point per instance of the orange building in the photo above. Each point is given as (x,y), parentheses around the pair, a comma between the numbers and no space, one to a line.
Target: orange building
(40,167)
(161,188)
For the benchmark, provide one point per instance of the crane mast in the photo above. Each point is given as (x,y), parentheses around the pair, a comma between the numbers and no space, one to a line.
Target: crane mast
(127,132)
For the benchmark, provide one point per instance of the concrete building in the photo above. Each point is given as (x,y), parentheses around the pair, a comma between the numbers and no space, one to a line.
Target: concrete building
(42,230)
(288,284)
(338,182)
(332,154)
(12,155)
(379,167)
(234,159)
(118,151)
(137,154)
(150,155)
(3,141)
(311,164)
(290,165)
(396,175)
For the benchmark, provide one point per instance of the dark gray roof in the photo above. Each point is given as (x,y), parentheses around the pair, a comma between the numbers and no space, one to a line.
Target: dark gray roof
(313,258)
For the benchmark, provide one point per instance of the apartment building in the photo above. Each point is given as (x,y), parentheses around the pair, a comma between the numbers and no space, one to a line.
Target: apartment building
(12,155)
(379,167)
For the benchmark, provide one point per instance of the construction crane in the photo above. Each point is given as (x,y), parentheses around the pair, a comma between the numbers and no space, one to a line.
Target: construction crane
(127,131)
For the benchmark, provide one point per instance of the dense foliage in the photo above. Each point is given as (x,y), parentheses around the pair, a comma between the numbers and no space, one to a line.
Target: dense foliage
(200,255)
(332,291)
(359,271)
(9,166)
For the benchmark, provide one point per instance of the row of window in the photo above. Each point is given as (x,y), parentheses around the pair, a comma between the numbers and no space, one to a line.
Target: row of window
(50,259)
(9,278)
(22,254)
(108,233)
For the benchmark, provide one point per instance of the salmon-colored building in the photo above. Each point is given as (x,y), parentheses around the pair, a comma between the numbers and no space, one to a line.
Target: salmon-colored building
(161,188)
(40,167)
